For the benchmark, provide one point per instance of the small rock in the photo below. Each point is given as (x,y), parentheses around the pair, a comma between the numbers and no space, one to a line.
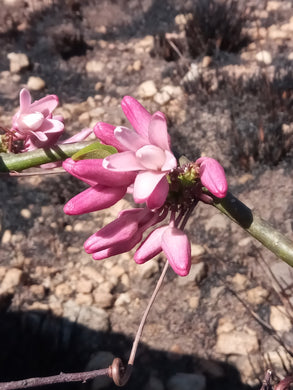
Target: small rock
(63,291)
(283,272)
(236,343)
(100,360)
(18,62)
(35,83)
(274,32)
(94,66)
(193,302)
(11,280)
(99,86)
(278,359)
(257,295)
(279,320)
(145,44)
(84,286)
(123,299)
(239,282)
(264,56)
(26,213)
(6,238)
(83,299)
(117,271)
(38,291)
(162,98)
(182,381)
(137,65)
(206,61)
(147,89)
(84,118)
(148,269)
(172,90)
(225,326)
(197,250)
(92,274)
(197,273)
(103,299)
(94,318)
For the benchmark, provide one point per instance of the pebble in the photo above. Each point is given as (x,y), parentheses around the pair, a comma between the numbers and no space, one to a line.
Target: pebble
(6,238)
(93,318)
(162,98)
(279,320)
(206,61)
(63,291)
(239,281)
(94,66)
(193,302)
(123,299)
(197,250)
(264,57)
(99,86)
(84,118)
(83,299)
(236,343)
(18,62)
(11,280)
(25,213)
(38,291)
(103,299)
(148,269)
(183,381)
(147,89)
(92,274)
(117,271)
(197,273)
(84,286)
(35,83)
(257,295)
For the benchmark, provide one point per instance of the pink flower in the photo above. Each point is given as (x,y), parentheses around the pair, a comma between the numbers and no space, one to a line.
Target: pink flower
(174,243)
(34,123)
(145,149)
(122,234)
(107,188)
(212,176)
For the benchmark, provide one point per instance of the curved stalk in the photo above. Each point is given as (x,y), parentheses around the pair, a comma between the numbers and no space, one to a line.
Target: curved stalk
(18,162)
(276,242)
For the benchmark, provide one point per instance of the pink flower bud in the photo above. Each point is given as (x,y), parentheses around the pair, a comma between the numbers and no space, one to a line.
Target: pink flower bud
(212,176)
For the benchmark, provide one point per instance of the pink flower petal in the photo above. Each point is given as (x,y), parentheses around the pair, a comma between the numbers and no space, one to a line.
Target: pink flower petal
(105,133)
(119,248)
(83,134)
(93,199)
(137,115)
(129,138)
(115,233)
(125,161)
(170,161)
(46,105)
(212,176)
(151,157)
(150,247)
(91,171)
(24,100)
(177,249)
(145,183)
(42,137)
(159,194)
(158,133)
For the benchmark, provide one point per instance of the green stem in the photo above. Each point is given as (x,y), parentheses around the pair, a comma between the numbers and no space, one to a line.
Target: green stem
(276,242)
(18,162)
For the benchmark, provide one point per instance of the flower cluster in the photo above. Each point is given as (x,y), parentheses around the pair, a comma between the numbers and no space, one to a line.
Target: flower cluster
(146,167)
(36,127)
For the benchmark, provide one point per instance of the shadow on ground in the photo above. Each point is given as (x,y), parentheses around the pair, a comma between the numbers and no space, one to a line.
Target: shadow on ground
(37,343)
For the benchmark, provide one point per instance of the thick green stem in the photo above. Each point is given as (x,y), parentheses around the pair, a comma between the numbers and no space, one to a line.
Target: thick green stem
(276,242)
(21,161)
